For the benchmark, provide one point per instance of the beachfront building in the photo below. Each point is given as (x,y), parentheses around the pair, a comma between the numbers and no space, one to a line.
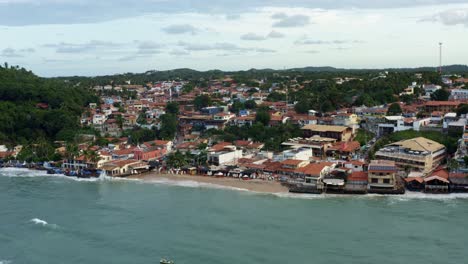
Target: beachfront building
(121,168)
(420,154)
(224,154)
(382,177)
(340,133)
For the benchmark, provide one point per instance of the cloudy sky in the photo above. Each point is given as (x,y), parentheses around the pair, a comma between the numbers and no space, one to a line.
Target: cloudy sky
(95,37)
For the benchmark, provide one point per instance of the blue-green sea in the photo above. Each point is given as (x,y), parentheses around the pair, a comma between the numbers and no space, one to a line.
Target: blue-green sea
(53,219)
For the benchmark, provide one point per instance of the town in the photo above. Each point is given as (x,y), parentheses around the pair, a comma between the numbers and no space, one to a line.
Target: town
(258,130)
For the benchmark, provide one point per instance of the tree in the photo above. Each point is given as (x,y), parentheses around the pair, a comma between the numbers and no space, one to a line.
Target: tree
(302,107)
(176,160)
(263,117)
(172,108)
(202,101)
(394,109)
(250,104)
(440,95)
(462,109)
(168,126)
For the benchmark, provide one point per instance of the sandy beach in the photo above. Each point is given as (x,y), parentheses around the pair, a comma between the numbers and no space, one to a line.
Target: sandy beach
(260,186)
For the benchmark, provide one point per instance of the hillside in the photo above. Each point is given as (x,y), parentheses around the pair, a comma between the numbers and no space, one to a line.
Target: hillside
(36,109)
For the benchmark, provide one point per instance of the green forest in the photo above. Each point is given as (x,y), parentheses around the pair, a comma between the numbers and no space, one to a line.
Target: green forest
(35,109)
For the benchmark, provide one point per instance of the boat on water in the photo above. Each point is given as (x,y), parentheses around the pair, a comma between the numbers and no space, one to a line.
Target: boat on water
(166,261)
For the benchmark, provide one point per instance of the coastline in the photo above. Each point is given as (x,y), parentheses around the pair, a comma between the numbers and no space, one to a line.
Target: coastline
(260,186)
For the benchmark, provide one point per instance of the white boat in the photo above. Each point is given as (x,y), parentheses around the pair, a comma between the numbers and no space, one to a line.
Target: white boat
(166,261)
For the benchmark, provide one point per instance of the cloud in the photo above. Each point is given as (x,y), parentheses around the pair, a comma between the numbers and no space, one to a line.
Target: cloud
(220,46)
(180,29)
(312,51)
(10,53)
(280,15)
(264,50)
(15,53)
(326,42)
(33,12)
(233,16)
(148,47)
(291,21)
(275,34)
(92,45)
(252,36)
(453,17)
(179,53)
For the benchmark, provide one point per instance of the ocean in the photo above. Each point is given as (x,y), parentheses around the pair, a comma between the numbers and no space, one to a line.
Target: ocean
(55,219)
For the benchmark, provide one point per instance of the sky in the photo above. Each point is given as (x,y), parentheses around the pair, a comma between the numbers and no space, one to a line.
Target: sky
(97,37)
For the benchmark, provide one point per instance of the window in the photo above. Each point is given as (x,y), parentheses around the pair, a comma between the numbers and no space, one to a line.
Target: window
(387,181)
(375,180)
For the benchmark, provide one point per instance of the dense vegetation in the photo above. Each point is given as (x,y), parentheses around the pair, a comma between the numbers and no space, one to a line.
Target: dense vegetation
(34,109)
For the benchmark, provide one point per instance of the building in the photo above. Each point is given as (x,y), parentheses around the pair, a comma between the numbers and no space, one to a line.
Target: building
(420,154)
(459,94)
(429,89)
(223,154)
(441,106)
(340,133)
(382,177)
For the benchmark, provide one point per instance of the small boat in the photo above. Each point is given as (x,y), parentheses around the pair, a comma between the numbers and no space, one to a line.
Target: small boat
(166,261)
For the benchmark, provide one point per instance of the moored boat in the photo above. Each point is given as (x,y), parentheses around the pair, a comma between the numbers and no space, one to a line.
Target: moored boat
(166,261)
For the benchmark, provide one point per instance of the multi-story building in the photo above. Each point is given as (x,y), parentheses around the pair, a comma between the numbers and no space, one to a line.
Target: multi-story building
(340,133)
(441,106)
(382,176)
(420,154)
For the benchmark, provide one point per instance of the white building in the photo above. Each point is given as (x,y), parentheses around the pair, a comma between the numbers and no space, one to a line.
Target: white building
(459,94)
(228,155)
(430,88)
(99,119)
(296,154)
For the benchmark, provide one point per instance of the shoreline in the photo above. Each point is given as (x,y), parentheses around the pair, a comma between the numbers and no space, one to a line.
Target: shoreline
(254,185)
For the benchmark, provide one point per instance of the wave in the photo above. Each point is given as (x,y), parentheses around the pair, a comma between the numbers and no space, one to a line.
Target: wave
(192,184)
(43,223)
(5,261)
(28,173)
(408,196)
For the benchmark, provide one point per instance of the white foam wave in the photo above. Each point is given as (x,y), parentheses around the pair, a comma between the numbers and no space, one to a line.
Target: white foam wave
(5,261)
(193,184)
(408,196)
(43,223)
(28,173)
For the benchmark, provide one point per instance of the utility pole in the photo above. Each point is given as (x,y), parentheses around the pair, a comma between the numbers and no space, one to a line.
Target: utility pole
(440,57)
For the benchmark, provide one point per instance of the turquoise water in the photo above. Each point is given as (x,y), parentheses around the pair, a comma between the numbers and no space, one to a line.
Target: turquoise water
(58,220)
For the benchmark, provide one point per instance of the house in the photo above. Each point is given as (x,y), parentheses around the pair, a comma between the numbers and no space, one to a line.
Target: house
(355,166)
(122,168)
(340,133)
(312,175)
(458,182)
(441,106)
(414,183)
(164,145)
(345,119)
(356,182)
(459,94)
(437,182)
(99,119)
(420,154)
(343,150)
(382,178)
(429,89)
(318,145)
(223,153)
